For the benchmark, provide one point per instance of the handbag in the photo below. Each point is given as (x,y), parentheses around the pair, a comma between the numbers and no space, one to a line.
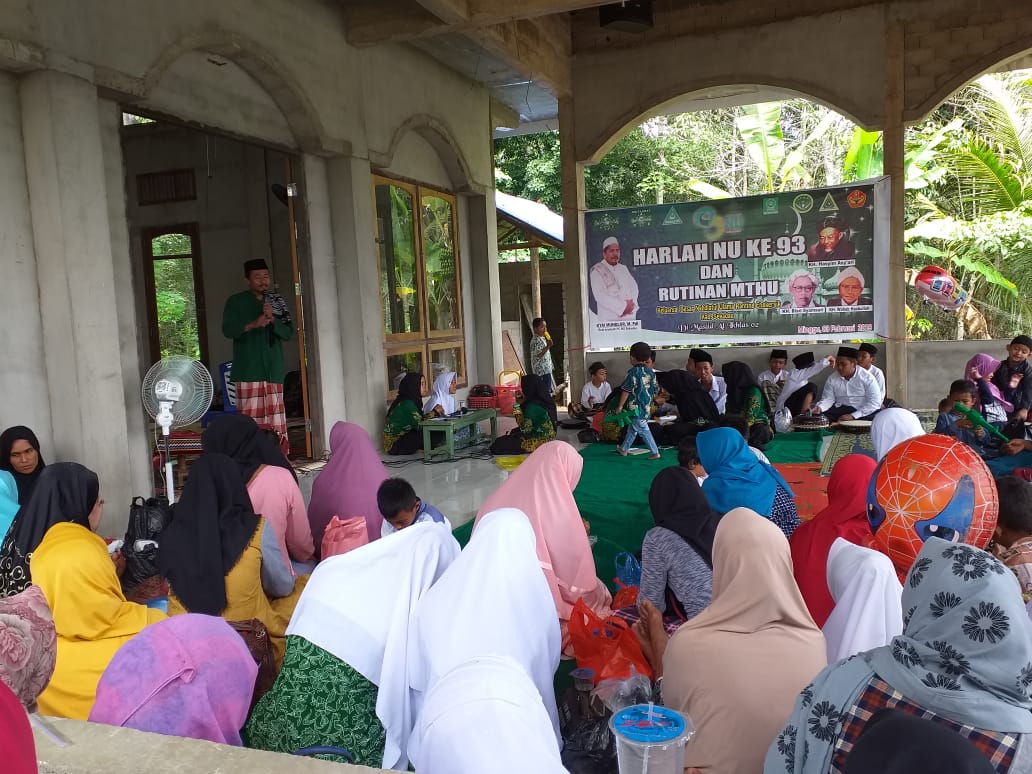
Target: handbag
(256,638)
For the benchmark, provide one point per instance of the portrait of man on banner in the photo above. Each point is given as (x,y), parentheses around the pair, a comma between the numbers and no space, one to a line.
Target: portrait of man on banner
(801,287)
(614,291)
(833,246)
(851,285)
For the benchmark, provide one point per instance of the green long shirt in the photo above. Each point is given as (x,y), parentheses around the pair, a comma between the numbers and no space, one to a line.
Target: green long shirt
(257,355)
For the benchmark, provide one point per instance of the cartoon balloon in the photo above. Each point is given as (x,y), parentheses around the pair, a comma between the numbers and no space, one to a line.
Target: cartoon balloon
(935,285)
(925,486)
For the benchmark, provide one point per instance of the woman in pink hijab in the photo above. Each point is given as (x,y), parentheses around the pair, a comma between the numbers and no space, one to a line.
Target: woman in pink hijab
(980,370)
(189,675)
(347,485)
(542,487)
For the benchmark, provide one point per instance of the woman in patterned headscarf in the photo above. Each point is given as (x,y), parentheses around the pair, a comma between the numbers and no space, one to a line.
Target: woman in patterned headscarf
(28,645)
(964,660)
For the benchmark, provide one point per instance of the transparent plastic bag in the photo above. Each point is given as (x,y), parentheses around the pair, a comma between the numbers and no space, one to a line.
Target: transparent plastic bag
(783,420)
(617,694)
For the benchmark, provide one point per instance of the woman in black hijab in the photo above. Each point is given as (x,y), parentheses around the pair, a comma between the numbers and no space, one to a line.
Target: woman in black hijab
(696,410)
(401,431)
(211,525)
(65,491)
(536,418)
(238,436)
(220,558)
(20,456)
(746,399)
(677,554)
(535,391)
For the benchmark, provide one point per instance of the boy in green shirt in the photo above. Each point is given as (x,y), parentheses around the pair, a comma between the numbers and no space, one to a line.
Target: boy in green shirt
(258,322)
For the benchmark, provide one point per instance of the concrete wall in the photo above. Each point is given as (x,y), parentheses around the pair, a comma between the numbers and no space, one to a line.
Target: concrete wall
(23,379)
(239,218)
(277,74)
(94,748)
(931,365)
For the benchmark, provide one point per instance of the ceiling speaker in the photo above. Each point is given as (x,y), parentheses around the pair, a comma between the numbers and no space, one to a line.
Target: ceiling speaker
(628,16)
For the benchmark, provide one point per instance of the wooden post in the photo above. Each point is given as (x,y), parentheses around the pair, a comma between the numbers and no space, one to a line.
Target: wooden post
(892,139)
(535,281)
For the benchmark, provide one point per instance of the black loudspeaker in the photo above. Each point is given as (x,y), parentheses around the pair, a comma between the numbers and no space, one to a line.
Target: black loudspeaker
(629,16)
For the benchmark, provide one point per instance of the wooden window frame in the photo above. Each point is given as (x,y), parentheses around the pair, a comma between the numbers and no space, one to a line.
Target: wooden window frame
(438,346)
(401,348)
(425,341)
(147,235)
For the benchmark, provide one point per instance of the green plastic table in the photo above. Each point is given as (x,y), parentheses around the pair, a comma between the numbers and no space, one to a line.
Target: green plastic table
(449,425)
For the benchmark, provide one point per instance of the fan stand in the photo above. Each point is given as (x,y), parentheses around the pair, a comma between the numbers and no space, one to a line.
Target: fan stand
(164,420)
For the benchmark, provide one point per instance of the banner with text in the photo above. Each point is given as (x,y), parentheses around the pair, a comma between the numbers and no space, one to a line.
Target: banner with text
(796,266)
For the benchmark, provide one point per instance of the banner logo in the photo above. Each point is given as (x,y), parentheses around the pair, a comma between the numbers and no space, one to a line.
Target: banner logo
(672,218)
(803,203)
(828,205)
(770,205)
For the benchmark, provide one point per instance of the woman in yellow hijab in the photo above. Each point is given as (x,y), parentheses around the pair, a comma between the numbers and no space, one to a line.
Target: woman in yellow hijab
(72,566)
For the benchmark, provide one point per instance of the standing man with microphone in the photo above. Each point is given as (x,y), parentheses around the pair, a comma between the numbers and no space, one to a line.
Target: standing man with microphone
(259,322)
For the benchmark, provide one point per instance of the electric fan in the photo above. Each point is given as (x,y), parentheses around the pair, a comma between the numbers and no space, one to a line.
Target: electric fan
(177,392)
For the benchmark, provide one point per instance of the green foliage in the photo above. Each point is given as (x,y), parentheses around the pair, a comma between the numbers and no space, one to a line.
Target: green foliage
(176,307)
(967,169)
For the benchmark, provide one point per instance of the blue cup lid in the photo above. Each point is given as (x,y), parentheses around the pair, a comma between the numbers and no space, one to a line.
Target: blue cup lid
(636,724)
(583,673)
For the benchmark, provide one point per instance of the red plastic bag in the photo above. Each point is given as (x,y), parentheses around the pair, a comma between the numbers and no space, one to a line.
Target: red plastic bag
(626,596)
(343,535)
(607,646)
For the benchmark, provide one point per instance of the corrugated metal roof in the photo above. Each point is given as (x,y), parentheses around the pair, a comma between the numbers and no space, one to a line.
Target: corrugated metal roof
(531,216)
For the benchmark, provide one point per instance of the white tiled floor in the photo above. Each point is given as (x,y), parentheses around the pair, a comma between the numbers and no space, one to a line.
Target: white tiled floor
(456,488)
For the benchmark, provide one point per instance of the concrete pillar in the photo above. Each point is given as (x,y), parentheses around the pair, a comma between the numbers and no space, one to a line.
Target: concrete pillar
(575,268)
(535,281)
(23,378)
(77,292)
(133,347)
(325,360)
(482,318)
(353,219)
(892,138)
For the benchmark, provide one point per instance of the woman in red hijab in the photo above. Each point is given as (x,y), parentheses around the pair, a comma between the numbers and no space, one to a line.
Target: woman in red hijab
(16,743)
(844,517)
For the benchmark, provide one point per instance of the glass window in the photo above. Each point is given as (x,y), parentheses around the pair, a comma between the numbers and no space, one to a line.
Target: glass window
(442,286)
(401,363)
(420,288)
(176,312)
(396,242)
(448,359)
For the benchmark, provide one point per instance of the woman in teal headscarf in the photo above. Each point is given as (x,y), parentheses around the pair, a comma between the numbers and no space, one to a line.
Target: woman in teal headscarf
(8,502)
(736,478)
(964,660)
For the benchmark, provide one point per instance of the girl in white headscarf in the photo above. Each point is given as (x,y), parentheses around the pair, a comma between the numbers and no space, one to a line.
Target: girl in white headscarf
(483,649)
(893,426)
(868,610)
(442,399)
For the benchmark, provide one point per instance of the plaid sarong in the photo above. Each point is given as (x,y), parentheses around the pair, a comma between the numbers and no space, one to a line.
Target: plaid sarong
(263,401)
(998,746)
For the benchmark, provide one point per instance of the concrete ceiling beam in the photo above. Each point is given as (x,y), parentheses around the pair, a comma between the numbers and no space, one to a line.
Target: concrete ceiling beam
(539,48)
(396,20)
(448,11)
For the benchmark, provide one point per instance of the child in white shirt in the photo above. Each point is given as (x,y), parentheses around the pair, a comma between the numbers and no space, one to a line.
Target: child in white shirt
(401,508)
(595,392)
(798,392)
(776,373)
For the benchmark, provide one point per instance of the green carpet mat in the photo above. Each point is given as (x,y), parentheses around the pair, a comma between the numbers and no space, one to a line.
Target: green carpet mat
(798,446)
(613,494)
